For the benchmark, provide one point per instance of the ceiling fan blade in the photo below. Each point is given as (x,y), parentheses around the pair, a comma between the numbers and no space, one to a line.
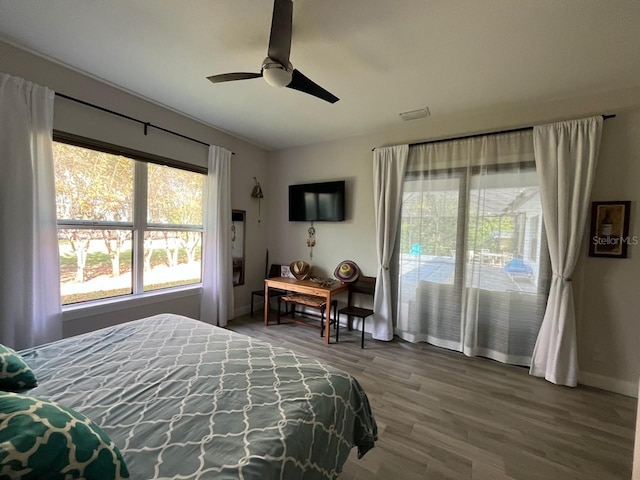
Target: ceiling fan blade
(230,77)
(280,39)
(303,84)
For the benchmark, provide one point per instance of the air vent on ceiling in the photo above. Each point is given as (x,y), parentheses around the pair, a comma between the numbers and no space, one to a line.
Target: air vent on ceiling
(415,114)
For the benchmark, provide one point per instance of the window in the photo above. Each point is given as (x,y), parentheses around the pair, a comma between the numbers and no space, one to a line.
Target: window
(125,226)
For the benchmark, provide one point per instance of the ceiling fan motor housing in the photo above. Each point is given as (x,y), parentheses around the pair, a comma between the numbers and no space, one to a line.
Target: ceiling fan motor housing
(276,74)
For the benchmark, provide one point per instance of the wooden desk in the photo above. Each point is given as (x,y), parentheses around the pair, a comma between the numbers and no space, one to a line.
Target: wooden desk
(304,286)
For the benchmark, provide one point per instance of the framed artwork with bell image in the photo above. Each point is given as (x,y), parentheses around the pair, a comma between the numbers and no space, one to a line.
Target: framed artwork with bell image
(609,234)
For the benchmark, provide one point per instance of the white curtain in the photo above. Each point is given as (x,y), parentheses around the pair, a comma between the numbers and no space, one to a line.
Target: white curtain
(472,268)
(217,277)
(566,155)
(30,312)
(389,164)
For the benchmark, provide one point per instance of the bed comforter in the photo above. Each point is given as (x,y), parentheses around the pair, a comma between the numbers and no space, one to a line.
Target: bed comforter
(183,399)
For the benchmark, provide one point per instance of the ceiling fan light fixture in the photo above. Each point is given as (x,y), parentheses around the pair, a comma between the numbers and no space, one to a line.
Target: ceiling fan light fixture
(276,75)
(276,67)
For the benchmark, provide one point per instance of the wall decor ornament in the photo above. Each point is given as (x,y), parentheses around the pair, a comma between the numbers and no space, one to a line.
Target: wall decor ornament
(311,241)
(609,234)
(257,193)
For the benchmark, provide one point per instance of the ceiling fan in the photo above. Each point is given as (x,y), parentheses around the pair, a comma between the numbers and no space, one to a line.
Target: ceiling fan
(276,68)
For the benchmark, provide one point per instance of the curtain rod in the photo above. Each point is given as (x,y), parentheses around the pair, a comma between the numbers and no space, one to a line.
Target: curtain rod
(474,135)
(146,125)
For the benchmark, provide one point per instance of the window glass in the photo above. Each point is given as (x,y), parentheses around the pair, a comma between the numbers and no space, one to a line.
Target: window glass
(504,232)
(91,185)
(94,264)
(172,258)
(174,196)
(428,233)
(97,235)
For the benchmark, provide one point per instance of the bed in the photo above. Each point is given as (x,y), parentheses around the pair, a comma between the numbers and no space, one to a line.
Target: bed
(183,399)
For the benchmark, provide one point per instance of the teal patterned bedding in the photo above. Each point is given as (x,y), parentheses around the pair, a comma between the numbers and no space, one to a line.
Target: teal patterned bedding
(185,400)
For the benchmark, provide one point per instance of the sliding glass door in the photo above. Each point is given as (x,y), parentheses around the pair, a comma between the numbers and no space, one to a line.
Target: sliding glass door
(472,261)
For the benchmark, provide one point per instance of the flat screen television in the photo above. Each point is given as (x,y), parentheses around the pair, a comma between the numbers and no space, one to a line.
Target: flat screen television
(317,202)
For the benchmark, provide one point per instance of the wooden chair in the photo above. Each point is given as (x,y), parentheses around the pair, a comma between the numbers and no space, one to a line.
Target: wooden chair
(274,271)
(312,301)
(364,286)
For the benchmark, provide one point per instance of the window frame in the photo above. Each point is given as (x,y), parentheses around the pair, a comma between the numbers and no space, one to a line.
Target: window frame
(138,226)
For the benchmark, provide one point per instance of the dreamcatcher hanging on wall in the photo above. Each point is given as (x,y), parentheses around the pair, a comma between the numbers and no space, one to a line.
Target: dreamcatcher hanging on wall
(311,241)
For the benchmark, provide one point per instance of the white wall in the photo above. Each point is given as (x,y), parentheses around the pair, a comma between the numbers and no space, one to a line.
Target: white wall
(248,161)
(335,241)
(606,289)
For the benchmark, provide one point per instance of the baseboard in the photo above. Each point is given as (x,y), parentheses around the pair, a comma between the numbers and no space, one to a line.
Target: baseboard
(615,385)
(245,309)
(258,309)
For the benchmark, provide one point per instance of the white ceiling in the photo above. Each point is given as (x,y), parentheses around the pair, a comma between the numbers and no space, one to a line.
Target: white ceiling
(380,57)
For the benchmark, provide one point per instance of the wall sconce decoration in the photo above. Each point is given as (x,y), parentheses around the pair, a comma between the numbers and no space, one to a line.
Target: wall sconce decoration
(257,193)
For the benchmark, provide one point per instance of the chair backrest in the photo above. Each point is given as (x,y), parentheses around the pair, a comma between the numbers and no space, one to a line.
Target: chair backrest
(364,285)
(275,270)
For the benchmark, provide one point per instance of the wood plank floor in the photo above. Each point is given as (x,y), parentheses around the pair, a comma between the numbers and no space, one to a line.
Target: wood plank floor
(442,415)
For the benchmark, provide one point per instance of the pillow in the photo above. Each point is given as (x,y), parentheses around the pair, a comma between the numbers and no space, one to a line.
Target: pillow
(15,374)
(40,439)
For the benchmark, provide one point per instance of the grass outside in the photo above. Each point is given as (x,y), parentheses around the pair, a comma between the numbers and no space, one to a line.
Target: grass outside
(98,264)
(85,297)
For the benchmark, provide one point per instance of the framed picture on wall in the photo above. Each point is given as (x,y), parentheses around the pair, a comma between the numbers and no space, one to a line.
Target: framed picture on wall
(609,235)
